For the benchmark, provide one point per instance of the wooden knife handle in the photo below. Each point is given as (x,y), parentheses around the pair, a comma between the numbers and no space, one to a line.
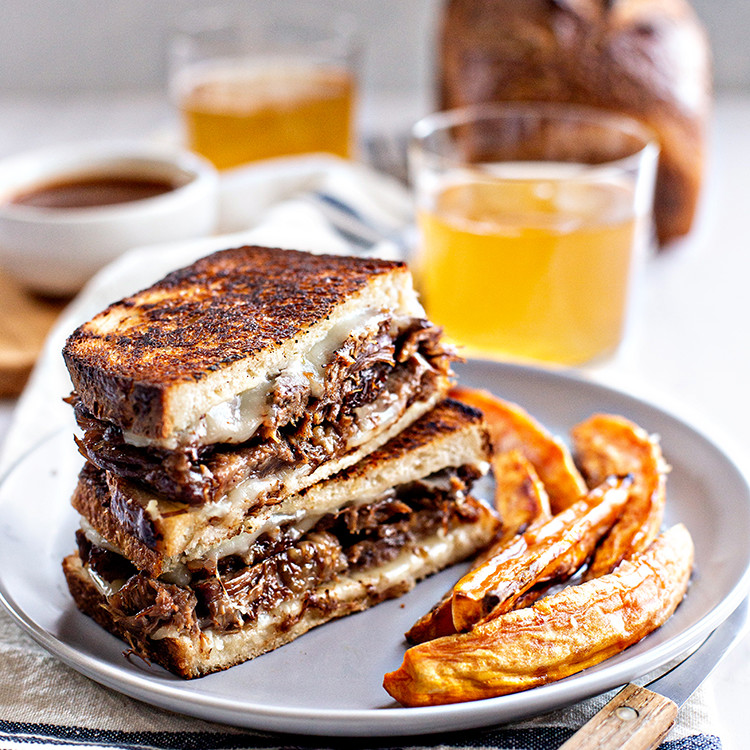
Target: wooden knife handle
(635,719)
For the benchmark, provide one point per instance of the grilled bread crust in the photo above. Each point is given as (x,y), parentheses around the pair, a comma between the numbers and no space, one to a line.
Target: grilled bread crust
(153,537)
(195,655)
(154,361)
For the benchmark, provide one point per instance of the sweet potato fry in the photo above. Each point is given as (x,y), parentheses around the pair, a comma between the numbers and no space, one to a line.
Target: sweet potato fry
(520,497)
(511,427)
(563,634)
(528,598)
(606,445)
(433,624)
(495,587)
(439,620)
(555,549)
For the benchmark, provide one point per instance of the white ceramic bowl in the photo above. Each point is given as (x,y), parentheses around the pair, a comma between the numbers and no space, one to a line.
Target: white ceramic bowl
(56,250)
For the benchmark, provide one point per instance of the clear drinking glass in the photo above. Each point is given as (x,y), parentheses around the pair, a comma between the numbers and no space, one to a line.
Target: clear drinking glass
(265,79)
(531,219)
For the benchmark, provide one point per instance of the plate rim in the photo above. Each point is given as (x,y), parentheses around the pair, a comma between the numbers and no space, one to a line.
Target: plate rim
(393,720)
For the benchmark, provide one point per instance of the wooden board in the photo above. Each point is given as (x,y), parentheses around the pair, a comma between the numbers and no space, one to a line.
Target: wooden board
(25,320)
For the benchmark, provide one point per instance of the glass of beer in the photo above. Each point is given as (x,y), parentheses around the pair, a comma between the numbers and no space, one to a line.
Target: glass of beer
(532,218)
(265,79)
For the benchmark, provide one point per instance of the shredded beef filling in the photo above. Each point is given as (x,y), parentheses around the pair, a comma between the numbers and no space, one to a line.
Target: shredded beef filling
(231,593)
(378,370)
(142,604)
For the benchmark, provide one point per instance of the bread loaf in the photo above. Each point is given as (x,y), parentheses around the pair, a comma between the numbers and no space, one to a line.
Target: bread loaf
(646,58)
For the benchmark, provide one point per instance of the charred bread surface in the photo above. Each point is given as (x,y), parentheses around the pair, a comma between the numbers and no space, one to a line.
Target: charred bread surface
(153,361)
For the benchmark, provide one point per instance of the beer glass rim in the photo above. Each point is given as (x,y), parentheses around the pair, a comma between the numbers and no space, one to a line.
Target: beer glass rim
(216,35)
(337,32)
(443,121)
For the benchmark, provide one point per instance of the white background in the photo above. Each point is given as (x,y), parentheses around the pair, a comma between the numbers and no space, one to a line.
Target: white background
(67,45)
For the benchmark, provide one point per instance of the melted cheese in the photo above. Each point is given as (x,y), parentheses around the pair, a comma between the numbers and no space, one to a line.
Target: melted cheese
(106,588)
(236,420)
(297,522)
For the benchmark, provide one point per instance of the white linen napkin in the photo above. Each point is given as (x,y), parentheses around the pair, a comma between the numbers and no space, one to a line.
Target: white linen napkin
(312,203)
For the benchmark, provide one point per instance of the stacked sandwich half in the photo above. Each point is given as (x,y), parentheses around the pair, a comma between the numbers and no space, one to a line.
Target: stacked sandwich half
(267,447)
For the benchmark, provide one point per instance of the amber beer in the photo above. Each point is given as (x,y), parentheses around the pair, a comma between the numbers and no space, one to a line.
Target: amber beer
(529,268)
(533,217)
(239,114)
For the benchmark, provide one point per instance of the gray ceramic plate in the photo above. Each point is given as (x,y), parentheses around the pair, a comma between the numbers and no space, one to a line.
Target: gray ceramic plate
(329,681)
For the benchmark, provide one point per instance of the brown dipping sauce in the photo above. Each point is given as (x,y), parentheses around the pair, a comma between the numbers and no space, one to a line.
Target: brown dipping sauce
(88,192)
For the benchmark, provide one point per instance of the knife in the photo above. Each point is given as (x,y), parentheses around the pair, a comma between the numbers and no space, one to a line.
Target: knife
(638,718)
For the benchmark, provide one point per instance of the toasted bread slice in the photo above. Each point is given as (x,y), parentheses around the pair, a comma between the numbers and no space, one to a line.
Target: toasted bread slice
(194,651)
(160,536)
(157,363)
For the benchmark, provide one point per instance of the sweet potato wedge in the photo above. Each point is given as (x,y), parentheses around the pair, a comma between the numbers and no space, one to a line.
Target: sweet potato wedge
(606,445)
(439,620)
(563,634)
(495,587)
(502,576)
(520,496)
(512,428)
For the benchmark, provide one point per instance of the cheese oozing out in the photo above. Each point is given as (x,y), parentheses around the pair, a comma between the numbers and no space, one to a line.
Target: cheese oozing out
(295,521)
(237,419)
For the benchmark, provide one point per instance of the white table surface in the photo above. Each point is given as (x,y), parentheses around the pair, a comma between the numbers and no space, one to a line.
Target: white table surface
(688,344)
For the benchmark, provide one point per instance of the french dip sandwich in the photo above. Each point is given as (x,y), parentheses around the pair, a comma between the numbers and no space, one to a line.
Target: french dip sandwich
(253,371)
(367,534)
(267,448)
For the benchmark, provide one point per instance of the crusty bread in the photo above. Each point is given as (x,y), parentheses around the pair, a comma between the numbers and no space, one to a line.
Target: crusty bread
(157,361)
(205,652)
(157,535)
(646,58)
